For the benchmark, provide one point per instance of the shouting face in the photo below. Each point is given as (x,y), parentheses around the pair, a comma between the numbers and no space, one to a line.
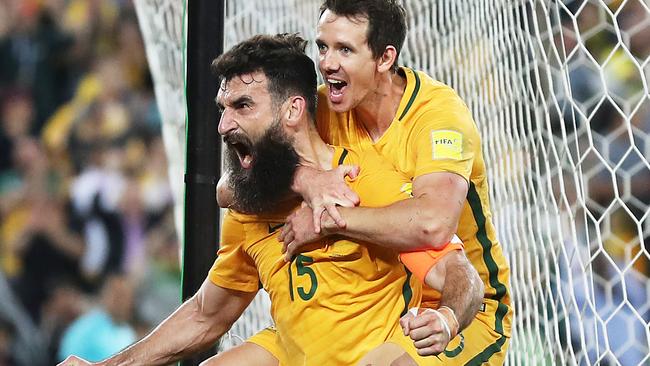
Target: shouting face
(259,155)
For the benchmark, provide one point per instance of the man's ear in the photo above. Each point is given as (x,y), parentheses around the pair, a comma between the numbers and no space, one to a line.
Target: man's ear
(387,59)
(296,110)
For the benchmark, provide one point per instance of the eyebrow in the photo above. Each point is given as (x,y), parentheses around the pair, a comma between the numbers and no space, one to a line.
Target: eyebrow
(243,99)
(338,44)
(344,44)
(239,100)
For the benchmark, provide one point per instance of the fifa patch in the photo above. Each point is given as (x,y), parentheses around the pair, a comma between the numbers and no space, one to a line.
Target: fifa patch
(446,144)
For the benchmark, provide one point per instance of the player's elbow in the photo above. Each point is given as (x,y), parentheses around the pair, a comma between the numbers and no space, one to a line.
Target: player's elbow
(432,235)
(211,327)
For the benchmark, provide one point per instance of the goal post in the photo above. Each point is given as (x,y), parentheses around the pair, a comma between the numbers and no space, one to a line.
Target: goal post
(559,91)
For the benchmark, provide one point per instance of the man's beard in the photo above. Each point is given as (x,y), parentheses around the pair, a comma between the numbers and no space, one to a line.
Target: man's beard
(267,183)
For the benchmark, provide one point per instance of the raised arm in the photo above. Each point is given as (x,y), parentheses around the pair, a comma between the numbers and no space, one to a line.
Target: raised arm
(194,326)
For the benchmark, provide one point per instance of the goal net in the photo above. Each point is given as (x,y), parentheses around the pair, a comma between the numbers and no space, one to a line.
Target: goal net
(559,91)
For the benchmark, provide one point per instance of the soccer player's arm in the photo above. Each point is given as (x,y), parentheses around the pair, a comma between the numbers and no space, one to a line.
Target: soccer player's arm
(461,290)
(442,142)
(380,184)
(445,269)
(199,321)
(234,269)
(429,220)
(421,263)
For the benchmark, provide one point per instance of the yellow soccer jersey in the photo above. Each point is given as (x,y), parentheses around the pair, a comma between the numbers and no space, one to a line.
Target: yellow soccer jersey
(334,303)
(433,131)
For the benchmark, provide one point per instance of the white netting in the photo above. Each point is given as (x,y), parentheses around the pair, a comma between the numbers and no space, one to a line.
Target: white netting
(559,90)
(161,23)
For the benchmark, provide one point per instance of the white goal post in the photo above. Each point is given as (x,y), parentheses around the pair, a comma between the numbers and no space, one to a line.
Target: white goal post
(559,91)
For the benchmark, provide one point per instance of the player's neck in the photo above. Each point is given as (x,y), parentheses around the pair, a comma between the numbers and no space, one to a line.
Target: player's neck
(380,106)
(312,150)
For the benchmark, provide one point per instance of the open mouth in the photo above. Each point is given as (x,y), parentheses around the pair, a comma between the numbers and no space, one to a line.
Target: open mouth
(336,89)
(241,146)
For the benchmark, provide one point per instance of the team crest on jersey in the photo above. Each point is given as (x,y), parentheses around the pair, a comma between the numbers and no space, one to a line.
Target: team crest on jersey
(446,144)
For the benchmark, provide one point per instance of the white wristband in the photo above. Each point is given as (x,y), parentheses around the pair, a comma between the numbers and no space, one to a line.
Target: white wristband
(414,312)
(444,322)
(453,314)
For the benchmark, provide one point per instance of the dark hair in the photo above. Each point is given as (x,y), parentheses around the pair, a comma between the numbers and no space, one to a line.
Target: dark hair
(386,21)
(283,61)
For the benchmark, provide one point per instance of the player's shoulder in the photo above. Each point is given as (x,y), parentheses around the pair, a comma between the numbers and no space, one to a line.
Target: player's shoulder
(280,214)
(369,159)
(239,217)
(432,103)
(247,230)
(426,90)
(346,155)
(424,82)
(379,183)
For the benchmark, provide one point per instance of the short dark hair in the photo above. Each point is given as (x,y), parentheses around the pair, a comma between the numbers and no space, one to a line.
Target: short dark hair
(283,61)
(386,21)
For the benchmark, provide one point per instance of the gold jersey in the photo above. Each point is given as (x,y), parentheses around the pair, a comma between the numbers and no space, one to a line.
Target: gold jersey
(433,131)
(339,299)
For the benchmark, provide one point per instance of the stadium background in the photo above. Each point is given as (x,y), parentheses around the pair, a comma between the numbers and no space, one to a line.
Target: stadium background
(84,191)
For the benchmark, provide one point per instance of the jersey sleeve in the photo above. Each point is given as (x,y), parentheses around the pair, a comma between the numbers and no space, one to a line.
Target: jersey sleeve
(234,269)
(445,138)
(419,263)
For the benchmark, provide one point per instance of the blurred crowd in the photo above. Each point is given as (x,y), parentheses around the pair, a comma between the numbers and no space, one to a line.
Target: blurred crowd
(88,250)
(607,117)
(608,110)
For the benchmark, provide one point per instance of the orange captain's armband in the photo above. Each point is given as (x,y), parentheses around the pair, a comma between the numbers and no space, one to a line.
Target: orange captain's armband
(419,263)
